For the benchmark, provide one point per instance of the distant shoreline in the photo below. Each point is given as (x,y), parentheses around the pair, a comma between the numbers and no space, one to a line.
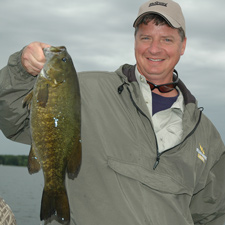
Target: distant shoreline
(14,160)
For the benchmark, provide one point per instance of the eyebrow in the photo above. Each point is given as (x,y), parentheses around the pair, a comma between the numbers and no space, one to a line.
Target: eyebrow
(169,36)
(163,36)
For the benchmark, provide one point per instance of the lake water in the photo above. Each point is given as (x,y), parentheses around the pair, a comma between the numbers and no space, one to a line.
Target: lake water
(22,192)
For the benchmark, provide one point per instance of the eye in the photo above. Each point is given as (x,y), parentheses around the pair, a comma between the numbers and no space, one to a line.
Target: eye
(168,40)
(145,38)
(64,59)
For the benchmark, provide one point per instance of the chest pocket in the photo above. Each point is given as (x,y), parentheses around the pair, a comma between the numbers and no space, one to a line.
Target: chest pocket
(154,180)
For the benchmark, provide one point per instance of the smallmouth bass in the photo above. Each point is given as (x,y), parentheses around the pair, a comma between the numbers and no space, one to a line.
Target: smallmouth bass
(55,123)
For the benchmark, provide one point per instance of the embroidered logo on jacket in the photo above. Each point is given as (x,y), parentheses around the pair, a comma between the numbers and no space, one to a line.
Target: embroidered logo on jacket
(201,153)
(158,3)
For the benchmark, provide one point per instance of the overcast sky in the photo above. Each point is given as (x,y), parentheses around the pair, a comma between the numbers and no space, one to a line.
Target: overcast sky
(99,36)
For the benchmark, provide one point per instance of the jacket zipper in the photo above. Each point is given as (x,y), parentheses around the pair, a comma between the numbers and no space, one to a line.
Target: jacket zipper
(157,150)
(159,154)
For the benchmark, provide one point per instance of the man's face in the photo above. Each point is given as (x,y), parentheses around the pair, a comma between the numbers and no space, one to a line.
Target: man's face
(157,51)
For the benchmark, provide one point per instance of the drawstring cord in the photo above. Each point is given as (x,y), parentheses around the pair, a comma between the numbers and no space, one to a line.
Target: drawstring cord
(121,88)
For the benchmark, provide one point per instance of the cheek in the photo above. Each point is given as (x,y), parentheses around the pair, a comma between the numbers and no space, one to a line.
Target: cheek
(136,48)
(136,51)
(139,50)
(175,52)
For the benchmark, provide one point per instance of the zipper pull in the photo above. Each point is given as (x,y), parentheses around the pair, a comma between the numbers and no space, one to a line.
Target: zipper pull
(156,162)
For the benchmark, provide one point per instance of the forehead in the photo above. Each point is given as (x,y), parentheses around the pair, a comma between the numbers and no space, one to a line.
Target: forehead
(152,29)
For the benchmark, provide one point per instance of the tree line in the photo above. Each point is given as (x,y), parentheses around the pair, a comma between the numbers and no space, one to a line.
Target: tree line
(14,160)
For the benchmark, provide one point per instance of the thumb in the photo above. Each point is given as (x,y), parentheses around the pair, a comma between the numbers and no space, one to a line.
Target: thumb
(43,45)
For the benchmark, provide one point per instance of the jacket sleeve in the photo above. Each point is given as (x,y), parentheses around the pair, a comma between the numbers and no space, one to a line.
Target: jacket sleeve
(208,204)
(15,84)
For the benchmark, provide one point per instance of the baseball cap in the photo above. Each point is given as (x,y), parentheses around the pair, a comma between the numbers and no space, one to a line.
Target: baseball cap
(168,9)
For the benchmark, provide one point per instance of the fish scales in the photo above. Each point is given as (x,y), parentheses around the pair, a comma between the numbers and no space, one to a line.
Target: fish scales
(55,130)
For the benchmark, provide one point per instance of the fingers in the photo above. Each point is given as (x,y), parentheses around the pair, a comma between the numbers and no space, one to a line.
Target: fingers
(33,58)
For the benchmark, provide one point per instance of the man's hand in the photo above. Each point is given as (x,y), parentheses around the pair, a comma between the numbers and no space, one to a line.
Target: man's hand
(33,58)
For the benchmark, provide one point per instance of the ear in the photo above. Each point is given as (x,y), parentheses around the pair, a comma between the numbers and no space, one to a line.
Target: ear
(183,46)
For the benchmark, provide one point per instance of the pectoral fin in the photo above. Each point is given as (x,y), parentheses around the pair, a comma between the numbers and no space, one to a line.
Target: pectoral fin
(33,163)
(74,164)
(27,100)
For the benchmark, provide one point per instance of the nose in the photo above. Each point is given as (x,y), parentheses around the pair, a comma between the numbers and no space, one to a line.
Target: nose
(154,47)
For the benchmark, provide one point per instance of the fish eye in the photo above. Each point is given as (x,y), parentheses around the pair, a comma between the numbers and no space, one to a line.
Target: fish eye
(64,59)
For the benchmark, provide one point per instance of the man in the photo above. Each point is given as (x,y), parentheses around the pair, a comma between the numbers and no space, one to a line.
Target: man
(150,156)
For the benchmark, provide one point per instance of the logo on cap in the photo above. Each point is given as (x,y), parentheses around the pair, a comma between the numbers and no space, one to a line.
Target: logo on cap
(158,3)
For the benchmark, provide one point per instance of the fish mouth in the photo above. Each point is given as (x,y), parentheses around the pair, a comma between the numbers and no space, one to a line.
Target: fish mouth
(49,53)
(57,49)
(53,50)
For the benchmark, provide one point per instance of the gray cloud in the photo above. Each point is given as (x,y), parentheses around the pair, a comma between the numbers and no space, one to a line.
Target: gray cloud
(99,36)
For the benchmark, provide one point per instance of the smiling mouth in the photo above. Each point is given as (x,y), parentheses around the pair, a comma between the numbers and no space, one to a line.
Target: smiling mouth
(155,60)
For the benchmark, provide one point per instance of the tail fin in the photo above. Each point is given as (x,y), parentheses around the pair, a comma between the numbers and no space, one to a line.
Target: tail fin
(55,204)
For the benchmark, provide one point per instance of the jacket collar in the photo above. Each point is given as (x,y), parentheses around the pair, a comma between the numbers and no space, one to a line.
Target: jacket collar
(129,72)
